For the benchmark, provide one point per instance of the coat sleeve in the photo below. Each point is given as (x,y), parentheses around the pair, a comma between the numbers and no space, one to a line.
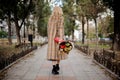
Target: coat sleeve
(48,26)
(61,28)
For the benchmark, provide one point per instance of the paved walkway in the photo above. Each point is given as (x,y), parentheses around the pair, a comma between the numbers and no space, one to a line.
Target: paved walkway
(36,67)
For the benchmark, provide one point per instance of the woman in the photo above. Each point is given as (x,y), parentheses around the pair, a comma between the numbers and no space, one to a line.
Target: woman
(55,29)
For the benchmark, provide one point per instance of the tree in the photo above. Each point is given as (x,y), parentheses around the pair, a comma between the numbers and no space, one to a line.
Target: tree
(6,12)
(20,12)
(106,26)
(116,45)
(113,5)
(42,12)
(67,24)
(19,9)
(81,7)
(69,14)
(110,28)
(102,27)
(110,4)
(91,9)
(96,8)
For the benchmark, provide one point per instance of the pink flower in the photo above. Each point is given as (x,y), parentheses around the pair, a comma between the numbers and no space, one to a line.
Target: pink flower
(57,39)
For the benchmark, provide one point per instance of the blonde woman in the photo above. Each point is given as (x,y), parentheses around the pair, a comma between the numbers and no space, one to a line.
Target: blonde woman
(55,29)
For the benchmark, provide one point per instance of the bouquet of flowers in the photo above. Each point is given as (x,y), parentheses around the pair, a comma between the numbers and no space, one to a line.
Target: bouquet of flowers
(64,46)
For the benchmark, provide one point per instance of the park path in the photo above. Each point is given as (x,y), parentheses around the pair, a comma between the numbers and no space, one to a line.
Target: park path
(34,66)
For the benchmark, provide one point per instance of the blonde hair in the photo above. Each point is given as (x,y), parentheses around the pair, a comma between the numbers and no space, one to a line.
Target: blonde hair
(57,11)
(57,15)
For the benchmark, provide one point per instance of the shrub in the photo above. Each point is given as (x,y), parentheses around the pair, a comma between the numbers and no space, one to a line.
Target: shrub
(3,34)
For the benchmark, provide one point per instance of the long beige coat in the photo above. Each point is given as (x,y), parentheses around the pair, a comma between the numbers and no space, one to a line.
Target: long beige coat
(55,29)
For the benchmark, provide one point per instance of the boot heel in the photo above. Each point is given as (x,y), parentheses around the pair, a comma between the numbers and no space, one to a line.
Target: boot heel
(57,67)
(54,71)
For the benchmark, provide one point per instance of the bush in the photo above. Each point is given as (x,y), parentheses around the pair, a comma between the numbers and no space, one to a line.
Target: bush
(3,34)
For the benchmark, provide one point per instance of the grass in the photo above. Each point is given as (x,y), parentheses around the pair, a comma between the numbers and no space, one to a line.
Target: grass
(8,50)
(93,45)
(103,46)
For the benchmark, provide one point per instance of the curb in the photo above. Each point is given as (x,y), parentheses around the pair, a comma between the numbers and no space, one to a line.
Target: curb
(11,64)
(113,75)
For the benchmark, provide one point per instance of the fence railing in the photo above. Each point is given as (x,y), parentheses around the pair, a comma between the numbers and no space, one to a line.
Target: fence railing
(7,61)
(83,48)
(107,59)
(110,60)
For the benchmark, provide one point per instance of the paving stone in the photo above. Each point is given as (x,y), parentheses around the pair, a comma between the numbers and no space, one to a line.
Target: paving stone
(78,66)
(42,78)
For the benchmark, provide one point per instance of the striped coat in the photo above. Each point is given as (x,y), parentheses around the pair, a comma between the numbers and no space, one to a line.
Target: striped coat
(55,29)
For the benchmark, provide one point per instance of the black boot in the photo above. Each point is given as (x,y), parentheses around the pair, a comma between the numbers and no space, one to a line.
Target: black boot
(54,70)
(57,67)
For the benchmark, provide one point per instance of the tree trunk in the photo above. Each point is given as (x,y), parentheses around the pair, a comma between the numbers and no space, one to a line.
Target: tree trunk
(116,45)
(96,29)
(17,32)
(87,29)
(73,24)
(87,32)
(72,34)
(17,26)
(83,32)
(9,29)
